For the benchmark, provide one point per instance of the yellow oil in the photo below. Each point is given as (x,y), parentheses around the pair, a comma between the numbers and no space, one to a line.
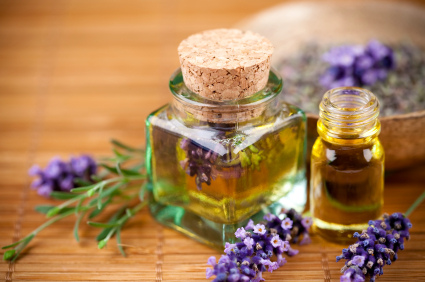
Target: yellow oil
(346,185)
(238,190)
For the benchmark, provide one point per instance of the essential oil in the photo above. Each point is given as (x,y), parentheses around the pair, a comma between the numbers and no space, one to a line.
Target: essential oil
(347,164)
(219,155)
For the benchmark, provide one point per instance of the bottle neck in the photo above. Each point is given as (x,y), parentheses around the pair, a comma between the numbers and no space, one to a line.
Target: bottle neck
(349,116)
(191,108)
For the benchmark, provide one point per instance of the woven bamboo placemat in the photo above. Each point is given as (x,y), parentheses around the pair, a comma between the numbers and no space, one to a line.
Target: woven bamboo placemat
(73,74)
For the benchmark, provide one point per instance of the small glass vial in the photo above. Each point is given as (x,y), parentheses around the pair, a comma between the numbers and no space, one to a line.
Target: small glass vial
(227,148)
(347,164)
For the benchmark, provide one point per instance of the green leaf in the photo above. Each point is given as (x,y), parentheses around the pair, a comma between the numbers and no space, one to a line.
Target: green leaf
(125,172)
(23,245)
(102,225)
(76,226)
(126,147)
(119,244)
(91,192)
(112,189)
(53,211)
(58,211)
(97,211)
(130,172)
(142,191)
(120,156)
(99,198)
(44,209)
(102,244)
(12,245)
(8,255)
(138,167)
(129,212)
(62,195)
(84,189)
(102,235)
(77,208)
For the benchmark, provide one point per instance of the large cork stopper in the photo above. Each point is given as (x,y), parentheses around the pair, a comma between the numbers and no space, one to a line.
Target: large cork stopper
(225,64)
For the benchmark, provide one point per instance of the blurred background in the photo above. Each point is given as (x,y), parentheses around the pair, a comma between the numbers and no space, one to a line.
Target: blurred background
(75,73)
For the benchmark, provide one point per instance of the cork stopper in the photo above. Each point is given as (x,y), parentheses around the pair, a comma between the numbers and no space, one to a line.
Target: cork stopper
(225,64)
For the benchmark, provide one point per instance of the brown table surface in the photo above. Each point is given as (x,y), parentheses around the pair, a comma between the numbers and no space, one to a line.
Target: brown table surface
(74,74)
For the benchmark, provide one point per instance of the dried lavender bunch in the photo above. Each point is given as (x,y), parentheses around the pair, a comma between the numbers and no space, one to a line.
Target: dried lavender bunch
(248,259)
(357,65)
(63,176)
(377,246)
(198,162)
(403,90)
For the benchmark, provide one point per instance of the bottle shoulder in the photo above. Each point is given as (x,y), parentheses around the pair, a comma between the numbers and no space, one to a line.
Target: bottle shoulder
(286,122)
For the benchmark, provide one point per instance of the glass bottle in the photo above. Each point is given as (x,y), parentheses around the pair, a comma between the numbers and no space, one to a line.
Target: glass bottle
(212,164)
(347,164)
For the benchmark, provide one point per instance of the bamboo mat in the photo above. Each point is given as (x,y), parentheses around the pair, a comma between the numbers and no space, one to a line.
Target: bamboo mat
(74,74)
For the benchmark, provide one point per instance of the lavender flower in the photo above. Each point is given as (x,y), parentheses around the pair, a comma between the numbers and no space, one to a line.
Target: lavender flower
(356,65)
(286,224)
(198,162)
(291,228)
(376,247)
(248,259)
(60,176)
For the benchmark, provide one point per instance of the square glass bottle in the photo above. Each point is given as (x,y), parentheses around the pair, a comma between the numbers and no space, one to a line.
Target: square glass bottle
(213,163)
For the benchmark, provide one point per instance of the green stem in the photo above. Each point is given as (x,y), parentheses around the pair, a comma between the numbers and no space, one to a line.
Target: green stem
(57,218)
(105,182)
(415,204)
(71,201)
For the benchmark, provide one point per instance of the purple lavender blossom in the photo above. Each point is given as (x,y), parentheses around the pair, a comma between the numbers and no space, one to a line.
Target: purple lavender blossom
(198,162)
(376,247)
(356,65)
(248,243)
(291,228)
(248,259)
(286,224)
(240,233)
(275,241)
(250,225)
(60,176)
(259,229)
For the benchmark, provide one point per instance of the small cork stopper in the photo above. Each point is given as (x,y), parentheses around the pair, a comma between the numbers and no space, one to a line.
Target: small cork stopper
(225,64)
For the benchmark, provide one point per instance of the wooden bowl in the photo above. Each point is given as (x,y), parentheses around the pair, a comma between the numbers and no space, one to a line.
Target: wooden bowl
(291,25)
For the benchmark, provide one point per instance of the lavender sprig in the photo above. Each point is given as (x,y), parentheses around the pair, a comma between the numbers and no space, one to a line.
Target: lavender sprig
(248,259)
(90,199)
(376,247)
